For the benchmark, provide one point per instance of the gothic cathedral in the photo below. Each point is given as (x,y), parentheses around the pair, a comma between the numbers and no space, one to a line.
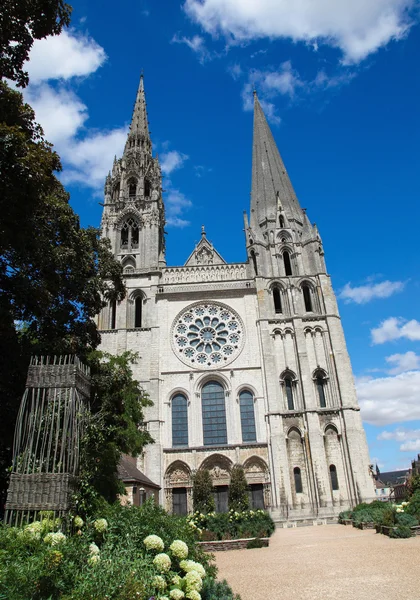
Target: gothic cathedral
(246,363)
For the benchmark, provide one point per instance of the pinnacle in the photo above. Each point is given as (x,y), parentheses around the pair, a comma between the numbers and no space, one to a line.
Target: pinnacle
(139,128)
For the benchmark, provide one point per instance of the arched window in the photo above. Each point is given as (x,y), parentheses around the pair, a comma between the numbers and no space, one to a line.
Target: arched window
(287,263)
(288,385)
(320,382)
(277,300)
(246,404)
(132,188)
(307,297)
(138,311)
(130,235)
(298,480)
(179,420)
(281,221)
(146,187)
(254,262)
(113,316)
(214,414)
(333,477)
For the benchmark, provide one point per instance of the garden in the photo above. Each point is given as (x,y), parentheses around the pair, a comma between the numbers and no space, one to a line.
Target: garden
(395,520)
(127,553)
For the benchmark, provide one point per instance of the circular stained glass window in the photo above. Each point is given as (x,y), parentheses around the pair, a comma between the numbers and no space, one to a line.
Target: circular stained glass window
(207,335)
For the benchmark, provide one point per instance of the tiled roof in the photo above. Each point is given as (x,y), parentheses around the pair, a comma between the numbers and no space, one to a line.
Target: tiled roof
(129,472)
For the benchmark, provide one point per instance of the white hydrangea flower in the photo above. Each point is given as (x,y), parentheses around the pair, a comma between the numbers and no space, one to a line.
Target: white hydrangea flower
(193,581)
(34,527)
(191,565)
(179,549)
(54,538)
(101,525)
(78,522)
(176,580)
(154,542)
(93,549)
(159,582)
(94,559)
(176,594)
(162,562)
(193,595)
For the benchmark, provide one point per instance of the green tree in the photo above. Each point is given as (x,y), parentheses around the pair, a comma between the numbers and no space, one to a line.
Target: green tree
(114,427)
(203,499)
(55,276)
(22,22)
(238,490)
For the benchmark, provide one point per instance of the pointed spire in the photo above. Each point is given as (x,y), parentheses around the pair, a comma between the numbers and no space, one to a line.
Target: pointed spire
(138,135)
(271,186)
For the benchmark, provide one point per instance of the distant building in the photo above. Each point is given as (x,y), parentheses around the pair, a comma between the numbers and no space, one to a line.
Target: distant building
(391,485)
(138,487)
(245,362)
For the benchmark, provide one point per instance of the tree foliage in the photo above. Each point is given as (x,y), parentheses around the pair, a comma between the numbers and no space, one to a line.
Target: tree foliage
(22,22)
(203,498)
(238,490)
(55,276)
(114,427)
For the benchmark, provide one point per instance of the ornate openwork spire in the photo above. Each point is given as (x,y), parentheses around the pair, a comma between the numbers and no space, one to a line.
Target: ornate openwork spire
(271,186)
(138,135)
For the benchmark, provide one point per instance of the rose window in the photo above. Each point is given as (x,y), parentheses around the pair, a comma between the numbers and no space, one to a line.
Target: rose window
(207,335)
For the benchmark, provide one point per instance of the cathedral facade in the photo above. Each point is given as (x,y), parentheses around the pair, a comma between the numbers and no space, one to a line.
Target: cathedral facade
(246,363)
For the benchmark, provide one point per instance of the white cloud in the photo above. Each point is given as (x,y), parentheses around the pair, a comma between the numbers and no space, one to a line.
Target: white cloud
(64,56)
(365,293)
(400,434)
(60,112)
(171,161)
(176,202)
(357,28)
(413,446)
(387,400)
(396,328)
(196,44)
(409,361)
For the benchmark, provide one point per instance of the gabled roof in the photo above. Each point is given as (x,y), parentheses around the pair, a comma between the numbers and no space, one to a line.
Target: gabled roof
(128,472)
(391,478)
(204,253)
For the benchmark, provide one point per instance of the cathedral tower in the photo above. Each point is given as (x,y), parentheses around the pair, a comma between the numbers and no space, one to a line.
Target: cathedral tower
(246,363)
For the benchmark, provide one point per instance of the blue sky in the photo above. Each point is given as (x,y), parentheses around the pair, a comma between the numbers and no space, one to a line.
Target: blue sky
(340,84)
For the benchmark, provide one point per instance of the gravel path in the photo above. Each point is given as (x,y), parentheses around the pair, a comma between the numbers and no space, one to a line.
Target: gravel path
(325,563)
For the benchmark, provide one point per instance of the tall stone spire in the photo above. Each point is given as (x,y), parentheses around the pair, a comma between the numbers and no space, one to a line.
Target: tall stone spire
(272,190)
(138,135)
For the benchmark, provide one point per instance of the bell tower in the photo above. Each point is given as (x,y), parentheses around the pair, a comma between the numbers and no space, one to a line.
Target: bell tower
(134,213)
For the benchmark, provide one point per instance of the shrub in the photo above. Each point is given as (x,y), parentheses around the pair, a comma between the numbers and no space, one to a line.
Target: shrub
(217,590)
(344,516)
(255,543)
(249,523)
(238,490)
(203,492)
(406,519)
(402,531)
(111,561)
(413,507)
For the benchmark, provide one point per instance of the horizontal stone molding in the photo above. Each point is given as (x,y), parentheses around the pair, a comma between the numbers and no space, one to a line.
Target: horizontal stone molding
(203,273)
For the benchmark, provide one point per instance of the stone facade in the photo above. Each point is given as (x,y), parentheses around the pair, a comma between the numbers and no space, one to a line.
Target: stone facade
(245,362)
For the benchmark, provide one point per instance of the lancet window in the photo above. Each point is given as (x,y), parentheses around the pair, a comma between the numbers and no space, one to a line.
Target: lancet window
(179,420)
(246,404)
(214,414)
(130,235)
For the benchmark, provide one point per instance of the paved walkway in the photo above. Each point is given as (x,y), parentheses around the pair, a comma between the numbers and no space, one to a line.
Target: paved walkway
(325,563)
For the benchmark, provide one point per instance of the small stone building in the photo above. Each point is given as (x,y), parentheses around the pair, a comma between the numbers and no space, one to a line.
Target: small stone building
(138,487)
(246,362)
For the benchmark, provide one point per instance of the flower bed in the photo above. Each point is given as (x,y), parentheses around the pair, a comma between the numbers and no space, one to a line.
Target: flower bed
(394,520)
(231,525)
(114,557)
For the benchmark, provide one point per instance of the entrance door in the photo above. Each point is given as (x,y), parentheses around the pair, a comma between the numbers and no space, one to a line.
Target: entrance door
(257,496)
(221,498)
(179,501)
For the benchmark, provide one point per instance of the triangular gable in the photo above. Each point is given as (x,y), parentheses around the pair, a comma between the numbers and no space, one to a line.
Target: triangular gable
(204,254)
